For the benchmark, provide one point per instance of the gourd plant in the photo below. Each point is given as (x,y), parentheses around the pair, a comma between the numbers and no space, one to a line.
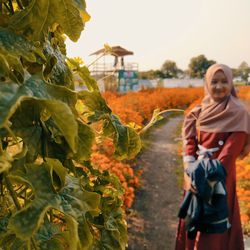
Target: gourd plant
(51,196)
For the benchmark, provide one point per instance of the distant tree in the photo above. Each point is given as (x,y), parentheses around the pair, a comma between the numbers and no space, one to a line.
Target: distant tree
(235,72)
(198,66)
(243,71)
(159,73)
(169,69)
(150,74)
(146,74)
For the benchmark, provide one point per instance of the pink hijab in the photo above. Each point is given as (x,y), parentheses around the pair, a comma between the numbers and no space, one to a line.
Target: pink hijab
(228,115)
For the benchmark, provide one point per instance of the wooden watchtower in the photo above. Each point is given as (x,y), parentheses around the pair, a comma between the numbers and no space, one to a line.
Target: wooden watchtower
(115,74)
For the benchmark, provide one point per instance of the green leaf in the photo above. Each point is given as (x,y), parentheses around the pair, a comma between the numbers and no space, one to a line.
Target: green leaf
(85,235)
(112,240)
(72,236)
(95,103)
(11,67)
(11,95)
(60,112)
(41,15)
(41,89)
(4,66)
(46,95)
(16,69)
(86,138)
(80,4)
(25,124)
(16,45)
(84,73)
(127,141)
(57,69)
(9,241)
(50,237)
(57,173)
(5,162)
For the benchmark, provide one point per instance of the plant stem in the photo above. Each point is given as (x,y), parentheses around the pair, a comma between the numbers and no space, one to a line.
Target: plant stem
(112,73)
(11,7)
(1,6)
(13,135)
(1,147)
(44,146)
(19,4)
(99,57)
(17,204)
(12,193)
(51,215)
(34,243)
(7,7)
(160,113)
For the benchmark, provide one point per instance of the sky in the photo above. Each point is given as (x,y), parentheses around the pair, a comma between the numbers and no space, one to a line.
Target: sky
(160,30)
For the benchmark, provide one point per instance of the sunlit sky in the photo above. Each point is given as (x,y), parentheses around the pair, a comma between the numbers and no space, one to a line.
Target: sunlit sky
(159,30)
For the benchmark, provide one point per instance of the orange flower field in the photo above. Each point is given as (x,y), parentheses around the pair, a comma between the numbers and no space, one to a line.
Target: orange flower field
(138,107)
(243,191)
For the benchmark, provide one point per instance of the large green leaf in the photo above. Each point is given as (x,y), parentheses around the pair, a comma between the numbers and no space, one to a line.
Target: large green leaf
(60,112)
(50,237)
(11,95)
(85,235)
(26,125)
(45,95)
(84,73)
(57,69)
(16,45)
(11,67)
(98,108)
(127,141)
(43,90)
(11,242)
(4,66)
(80,4)
(86,138)
(16,72)
(57,173)
(72,200)
(113,240)
(41,15)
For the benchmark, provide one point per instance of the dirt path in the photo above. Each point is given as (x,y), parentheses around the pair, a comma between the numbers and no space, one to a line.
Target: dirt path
(153,226)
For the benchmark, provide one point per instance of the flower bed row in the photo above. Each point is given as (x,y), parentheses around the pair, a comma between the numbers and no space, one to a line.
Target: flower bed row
(138,107)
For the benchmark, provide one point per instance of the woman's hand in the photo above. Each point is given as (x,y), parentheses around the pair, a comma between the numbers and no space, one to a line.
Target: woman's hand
(187,181)
(189,185)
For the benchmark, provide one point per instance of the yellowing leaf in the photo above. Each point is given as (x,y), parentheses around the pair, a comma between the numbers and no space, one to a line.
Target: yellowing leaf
(108,48)
(85,16)
(41,15)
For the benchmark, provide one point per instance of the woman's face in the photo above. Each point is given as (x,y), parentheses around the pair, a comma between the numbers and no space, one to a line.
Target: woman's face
(219,87)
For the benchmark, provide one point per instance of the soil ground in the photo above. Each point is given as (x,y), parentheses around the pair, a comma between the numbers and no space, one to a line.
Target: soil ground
(154,221)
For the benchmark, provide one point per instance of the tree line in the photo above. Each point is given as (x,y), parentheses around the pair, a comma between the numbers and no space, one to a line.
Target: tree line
(196,69)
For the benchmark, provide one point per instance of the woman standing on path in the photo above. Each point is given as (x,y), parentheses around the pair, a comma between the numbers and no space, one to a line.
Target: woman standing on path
(220,122)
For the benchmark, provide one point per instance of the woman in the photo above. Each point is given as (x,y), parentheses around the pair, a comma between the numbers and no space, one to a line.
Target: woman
(220,124)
